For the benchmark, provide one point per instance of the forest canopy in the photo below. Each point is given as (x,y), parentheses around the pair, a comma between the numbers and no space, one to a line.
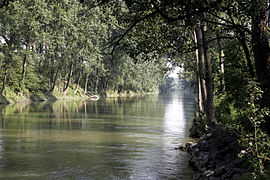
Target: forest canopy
(58,44)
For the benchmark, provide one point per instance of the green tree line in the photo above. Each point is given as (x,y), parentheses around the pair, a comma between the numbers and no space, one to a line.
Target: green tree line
(49,46)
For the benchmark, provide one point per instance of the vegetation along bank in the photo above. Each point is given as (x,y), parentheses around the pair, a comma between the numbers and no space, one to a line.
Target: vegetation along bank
(129,46)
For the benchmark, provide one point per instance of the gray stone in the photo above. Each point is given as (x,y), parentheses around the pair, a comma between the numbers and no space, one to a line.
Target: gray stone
(203,142)
(197,176)
(221,170)
(236,176)
(211,165)
(193,164)
(205,158)
(203,169)
(214,178)
(239,161)
(236,170)
(208,136)
(223,177)
(196,151)
(227,175)
(215,157)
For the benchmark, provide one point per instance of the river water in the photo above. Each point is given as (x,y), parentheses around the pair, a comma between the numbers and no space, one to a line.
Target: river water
(114,138)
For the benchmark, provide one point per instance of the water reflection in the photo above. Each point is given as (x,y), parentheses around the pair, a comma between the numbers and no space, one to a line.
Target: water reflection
(174,118)
(116,138)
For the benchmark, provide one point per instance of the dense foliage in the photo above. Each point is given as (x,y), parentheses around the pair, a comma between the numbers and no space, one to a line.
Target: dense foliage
(125,45)
(223,47)
(48,45)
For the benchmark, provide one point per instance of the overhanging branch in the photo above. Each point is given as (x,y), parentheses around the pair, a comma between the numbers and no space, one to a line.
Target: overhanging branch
(121,37)
(190,14)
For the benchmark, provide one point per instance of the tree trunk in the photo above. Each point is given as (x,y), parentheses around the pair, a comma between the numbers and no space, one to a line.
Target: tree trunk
(4,82)
(96,84)
(247,54)
(54,81)
(24,68)
(199,36)
(221,65)
(78,82)
(208,81)
(268,19)
(200,101)
(24,64)
(86,83)
(119,91)
(69,78)
(261,50)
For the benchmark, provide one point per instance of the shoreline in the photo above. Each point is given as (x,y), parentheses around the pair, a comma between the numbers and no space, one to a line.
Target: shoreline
(14,98)
(218,156)
(112,95)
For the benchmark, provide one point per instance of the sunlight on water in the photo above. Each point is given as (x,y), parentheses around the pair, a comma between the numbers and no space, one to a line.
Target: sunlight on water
(116,138)
(174,119)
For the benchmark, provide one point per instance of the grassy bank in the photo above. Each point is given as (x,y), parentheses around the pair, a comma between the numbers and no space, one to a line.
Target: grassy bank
(11,97)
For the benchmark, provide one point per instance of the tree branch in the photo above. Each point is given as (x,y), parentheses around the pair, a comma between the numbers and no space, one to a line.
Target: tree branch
(121,37)
(192,49)
(230,24)
(196,11)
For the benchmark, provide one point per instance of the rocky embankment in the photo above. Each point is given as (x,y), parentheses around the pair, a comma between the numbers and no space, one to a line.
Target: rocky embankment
(216,157)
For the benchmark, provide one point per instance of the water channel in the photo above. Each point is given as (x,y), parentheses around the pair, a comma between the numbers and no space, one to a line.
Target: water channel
(114,138)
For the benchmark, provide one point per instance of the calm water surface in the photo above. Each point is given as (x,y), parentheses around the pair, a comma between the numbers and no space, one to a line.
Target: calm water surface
(115,138)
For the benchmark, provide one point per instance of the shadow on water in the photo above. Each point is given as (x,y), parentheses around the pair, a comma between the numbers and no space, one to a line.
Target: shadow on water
(115,138)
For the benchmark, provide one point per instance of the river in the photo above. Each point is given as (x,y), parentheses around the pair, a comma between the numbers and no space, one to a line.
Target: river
(114,138)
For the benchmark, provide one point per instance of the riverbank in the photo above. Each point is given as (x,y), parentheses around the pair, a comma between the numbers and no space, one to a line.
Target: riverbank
(127,94)
(218,156)
(11,97)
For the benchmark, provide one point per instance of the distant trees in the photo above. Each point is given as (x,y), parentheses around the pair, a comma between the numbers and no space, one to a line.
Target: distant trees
(50,45)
